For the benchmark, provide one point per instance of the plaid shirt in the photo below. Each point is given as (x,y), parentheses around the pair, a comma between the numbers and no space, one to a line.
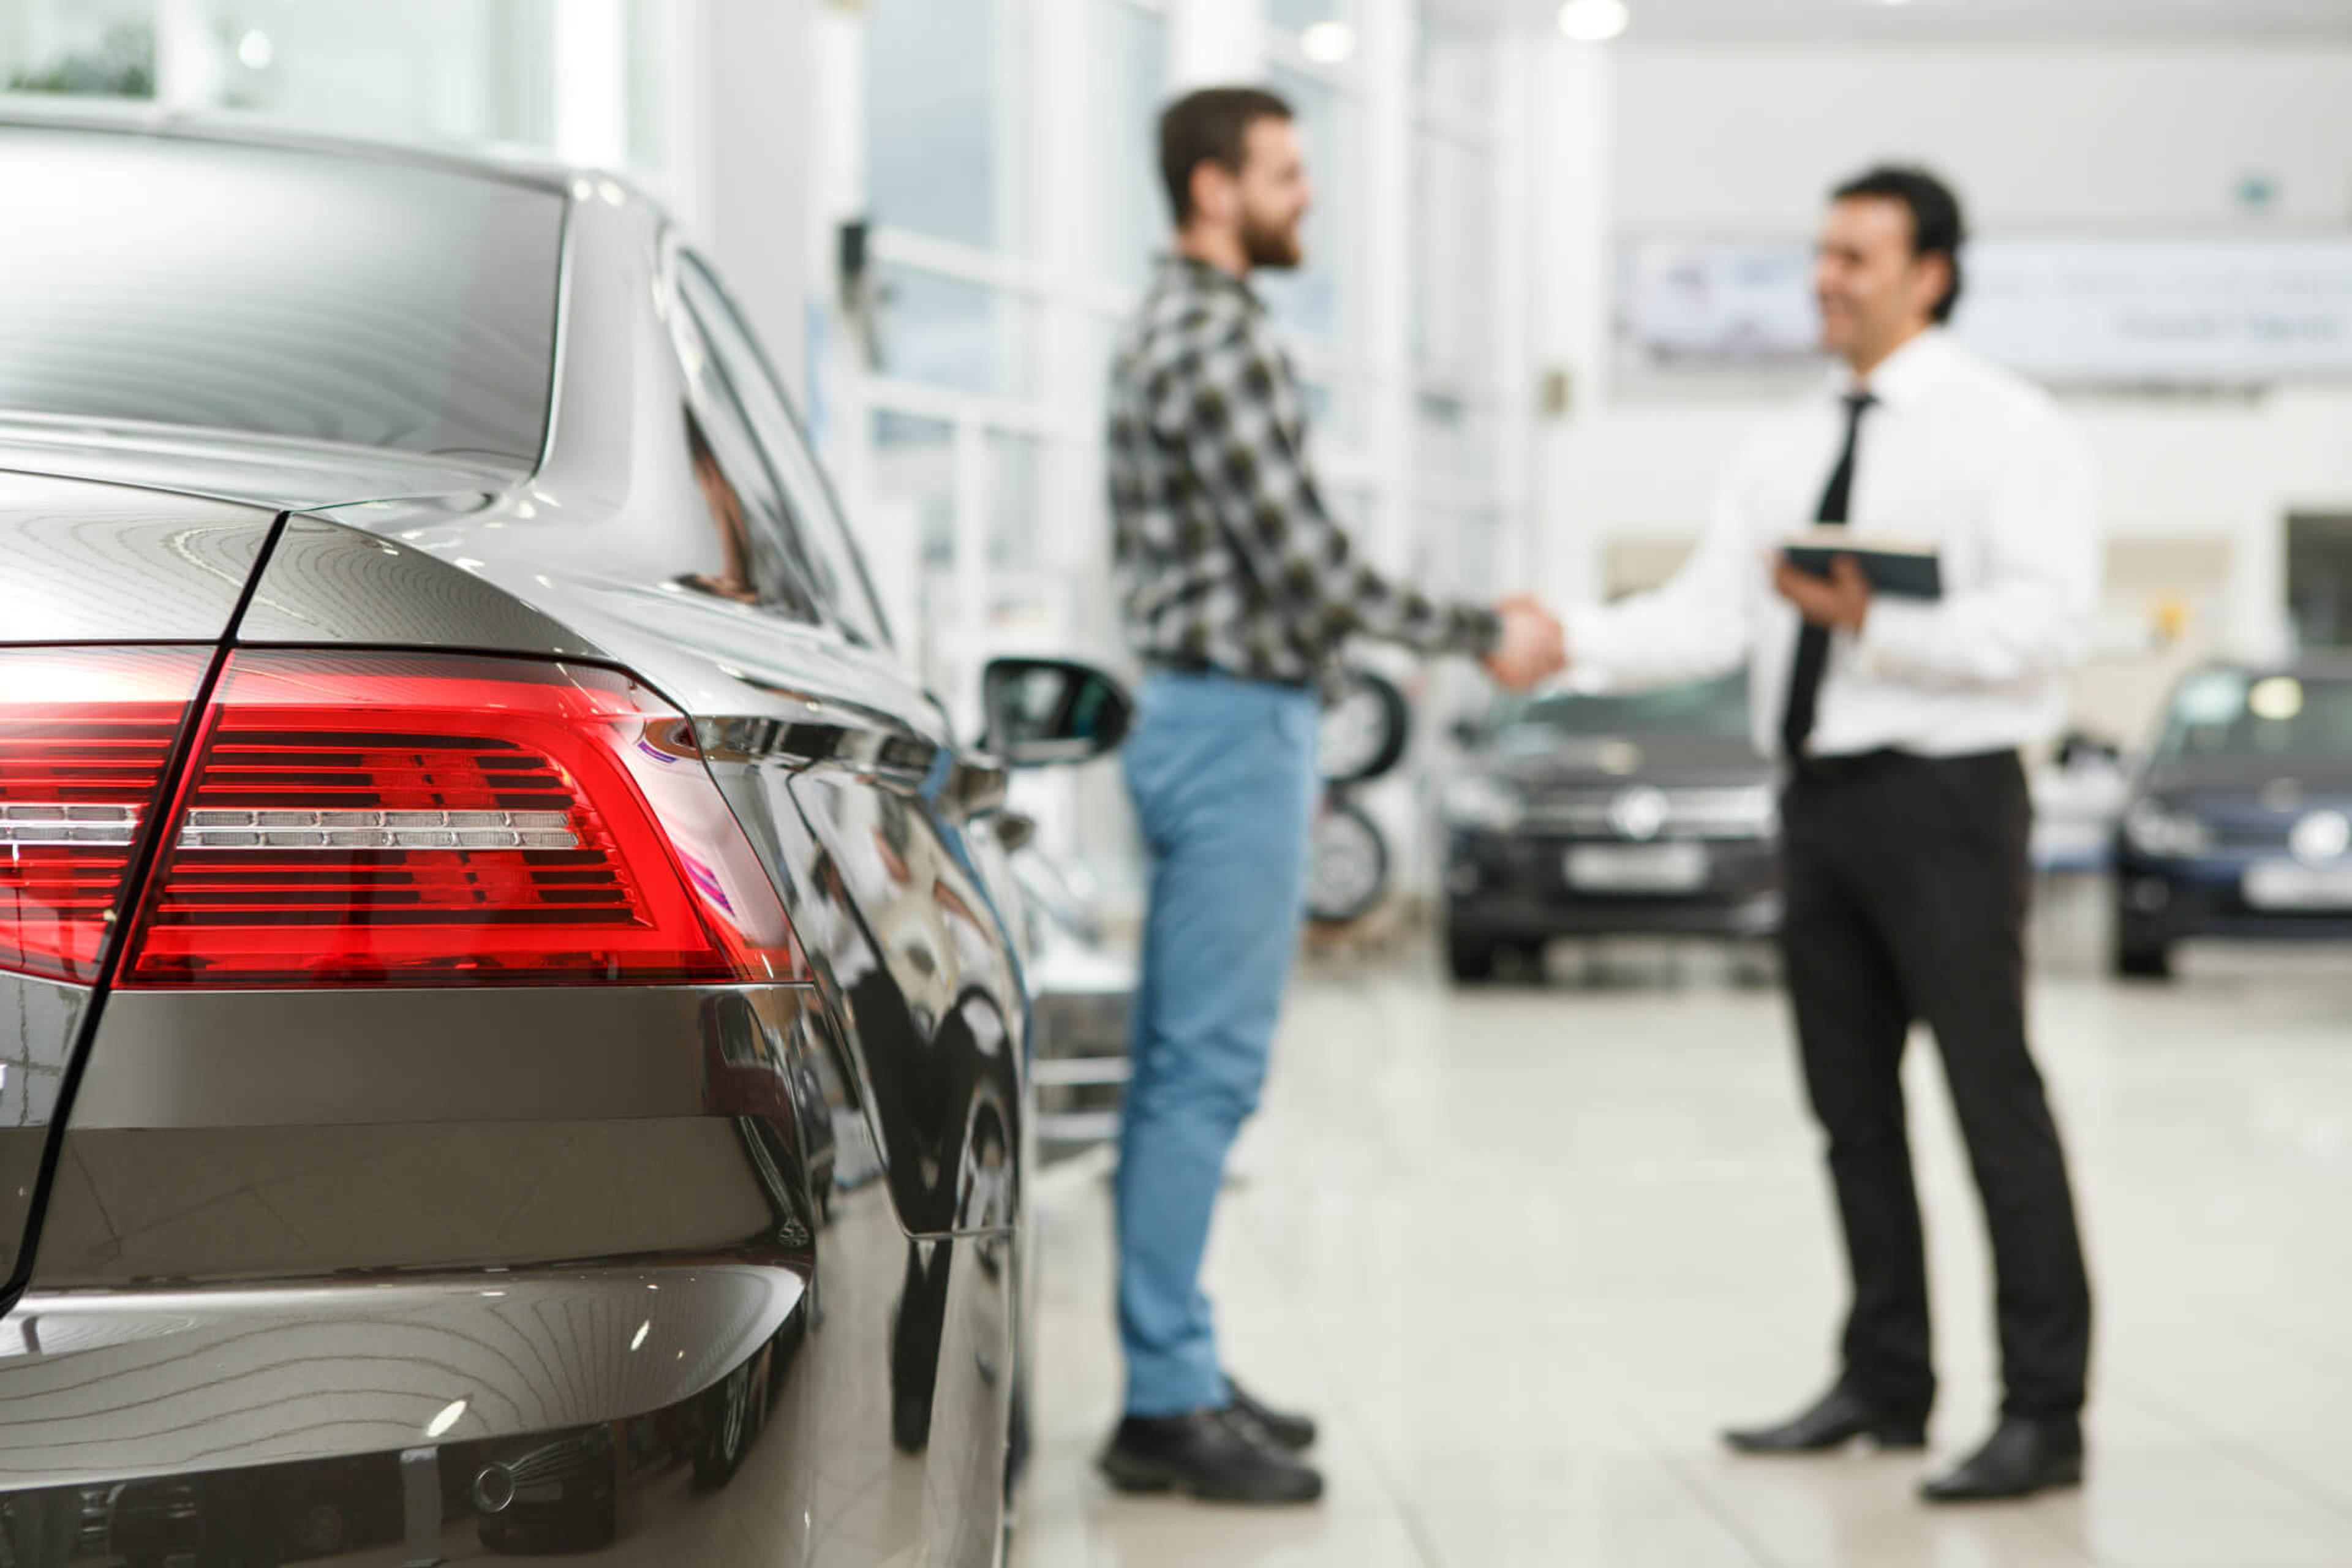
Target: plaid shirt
(1225,551)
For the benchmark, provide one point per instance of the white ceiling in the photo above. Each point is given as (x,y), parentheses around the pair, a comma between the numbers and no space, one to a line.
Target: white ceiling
(2016,21)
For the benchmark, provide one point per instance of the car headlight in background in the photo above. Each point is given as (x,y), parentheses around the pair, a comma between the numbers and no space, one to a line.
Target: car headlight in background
(1476,801)
(1756,808)
(2155,828)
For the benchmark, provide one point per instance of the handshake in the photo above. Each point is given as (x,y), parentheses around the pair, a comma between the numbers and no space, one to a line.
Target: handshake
(1533,648)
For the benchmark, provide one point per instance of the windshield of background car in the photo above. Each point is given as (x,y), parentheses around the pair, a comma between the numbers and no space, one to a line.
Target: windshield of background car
(1703,709)
(2232,713)
(275,292)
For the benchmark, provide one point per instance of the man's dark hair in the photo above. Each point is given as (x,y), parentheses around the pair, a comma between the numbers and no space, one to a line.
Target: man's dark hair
(1937,226)
(1211,126)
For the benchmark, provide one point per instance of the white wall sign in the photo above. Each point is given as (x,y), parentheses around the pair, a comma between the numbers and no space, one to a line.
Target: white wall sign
(2118,312)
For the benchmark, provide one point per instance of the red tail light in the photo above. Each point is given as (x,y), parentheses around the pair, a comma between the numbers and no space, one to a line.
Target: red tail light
(408,819)
(85,735)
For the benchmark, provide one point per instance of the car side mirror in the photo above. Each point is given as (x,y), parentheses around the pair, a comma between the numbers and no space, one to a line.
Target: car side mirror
(1043,712)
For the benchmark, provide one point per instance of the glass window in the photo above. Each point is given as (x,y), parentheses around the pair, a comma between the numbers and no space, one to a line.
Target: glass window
(946,331)
(102,48)
(1454,436)
(1298,15)
(1457,549)
(1322,300)
(274,292)
(816,542)
(1015,489)
(761,557)
(1337,417)
(1453,63)
(944,103)
(1128,221)
(1454,252)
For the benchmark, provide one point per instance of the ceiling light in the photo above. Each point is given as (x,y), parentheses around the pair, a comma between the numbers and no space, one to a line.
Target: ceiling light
(256,50)
(450,1413)
(1593,21)
(1327,42)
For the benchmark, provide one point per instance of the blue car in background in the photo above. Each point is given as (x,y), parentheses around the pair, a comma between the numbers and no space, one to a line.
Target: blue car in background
(2240,824)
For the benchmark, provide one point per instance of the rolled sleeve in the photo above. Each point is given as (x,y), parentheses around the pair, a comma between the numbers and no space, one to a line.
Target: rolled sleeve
(2031,615)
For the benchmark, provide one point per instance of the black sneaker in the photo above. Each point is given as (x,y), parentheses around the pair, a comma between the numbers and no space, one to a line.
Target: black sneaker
(1218,1456)
(1288,1429)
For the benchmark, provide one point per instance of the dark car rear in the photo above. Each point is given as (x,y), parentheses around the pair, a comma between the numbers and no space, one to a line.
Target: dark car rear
(513,1016)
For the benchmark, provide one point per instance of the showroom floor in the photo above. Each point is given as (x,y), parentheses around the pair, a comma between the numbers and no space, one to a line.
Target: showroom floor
(1523,1250)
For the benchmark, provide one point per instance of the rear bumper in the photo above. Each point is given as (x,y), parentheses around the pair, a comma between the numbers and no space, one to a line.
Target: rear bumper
(99,1388)
(2161,901)
(554,1411)
(1503,889)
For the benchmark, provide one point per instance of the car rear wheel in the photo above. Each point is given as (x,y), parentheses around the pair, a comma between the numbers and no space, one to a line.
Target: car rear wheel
(728,1414)
(1470,962)
(2143,960)
(1347,873)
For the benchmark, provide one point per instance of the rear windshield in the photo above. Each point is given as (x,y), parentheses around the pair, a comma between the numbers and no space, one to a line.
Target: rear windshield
(2232,713)
(275,292)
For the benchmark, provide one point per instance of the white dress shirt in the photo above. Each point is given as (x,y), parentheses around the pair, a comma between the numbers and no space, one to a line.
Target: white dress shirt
(1954,453)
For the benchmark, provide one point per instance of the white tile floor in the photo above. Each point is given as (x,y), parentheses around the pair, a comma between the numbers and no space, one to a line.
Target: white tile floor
(1525,1249)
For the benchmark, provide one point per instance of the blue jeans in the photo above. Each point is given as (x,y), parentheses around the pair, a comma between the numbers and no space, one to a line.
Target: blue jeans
(1222,772)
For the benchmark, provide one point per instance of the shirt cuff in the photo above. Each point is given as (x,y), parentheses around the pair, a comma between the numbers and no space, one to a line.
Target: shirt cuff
(1591,648)
(1895,636)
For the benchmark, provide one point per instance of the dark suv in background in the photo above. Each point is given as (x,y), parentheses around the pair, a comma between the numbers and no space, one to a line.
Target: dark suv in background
(1588,815)
(2240,824)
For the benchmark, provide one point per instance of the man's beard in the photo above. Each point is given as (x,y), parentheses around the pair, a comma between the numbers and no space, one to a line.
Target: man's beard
(1274,247)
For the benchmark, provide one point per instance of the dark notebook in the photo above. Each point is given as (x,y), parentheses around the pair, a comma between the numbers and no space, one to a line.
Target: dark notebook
(1903,569)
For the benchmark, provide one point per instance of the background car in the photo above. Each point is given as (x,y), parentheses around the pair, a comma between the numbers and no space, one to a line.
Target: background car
(1588,815)
(513,1016)
(2240,823)
(1082,986)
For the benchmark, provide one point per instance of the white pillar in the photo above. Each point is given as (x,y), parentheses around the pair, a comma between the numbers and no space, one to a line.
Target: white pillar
(1521,550)
(591,83)
(742,134)
(1574,227)
(191,65)
(1215,43)
(1386,264)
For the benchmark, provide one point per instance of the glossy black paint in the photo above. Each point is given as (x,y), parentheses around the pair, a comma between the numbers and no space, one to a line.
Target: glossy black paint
(39,1022)
(1510,887)
(1514,889)
(99,563)
(720,1275)
(328,584)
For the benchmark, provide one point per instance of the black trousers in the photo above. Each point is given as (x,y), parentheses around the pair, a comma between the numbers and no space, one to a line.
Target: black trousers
(1907,885)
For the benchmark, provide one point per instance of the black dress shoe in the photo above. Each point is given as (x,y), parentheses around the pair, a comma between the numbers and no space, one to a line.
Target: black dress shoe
(1838,1420)
(1218,1456)
(2024,1455)
(1287,1428)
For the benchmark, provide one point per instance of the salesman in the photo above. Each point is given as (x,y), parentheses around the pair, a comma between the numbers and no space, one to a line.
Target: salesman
(1905,816)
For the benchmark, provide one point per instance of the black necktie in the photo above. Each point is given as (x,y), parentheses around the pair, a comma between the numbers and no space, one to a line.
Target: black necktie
(1812,641)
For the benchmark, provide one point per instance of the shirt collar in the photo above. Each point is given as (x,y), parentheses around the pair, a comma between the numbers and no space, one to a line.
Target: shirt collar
(1908,374)
(1181,272)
